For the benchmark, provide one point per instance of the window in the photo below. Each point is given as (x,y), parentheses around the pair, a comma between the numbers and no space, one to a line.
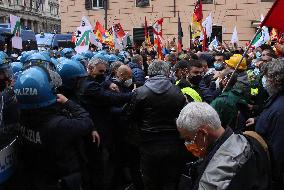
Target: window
(98,3)
(142,3)
(207,1)
(267,0)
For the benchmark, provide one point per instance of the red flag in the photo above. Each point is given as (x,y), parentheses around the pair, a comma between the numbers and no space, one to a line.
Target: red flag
(147,38)
(204,40)
(158,32)
(197,13)
(119,31)
(99,31)
(275,16)
(74,38)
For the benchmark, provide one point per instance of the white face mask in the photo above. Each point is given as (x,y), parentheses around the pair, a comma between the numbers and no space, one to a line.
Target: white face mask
(217,82)
(264,82)
(128,82)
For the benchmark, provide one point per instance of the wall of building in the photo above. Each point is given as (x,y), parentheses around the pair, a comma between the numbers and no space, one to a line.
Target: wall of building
(35,16)
(226,13)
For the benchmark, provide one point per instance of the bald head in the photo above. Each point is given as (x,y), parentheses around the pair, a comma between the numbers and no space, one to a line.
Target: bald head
(124,73)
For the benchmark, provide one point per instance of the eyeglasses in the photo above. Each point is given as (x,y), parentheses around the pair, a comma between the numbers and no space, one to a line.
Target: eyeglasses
(265,54)
(188,143)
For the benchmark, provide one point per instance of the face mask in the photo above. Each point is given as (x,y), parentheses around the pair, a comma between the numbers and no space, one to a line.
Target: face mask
(217,82)
(256,71)
(258,54)
(218,66)
(194,148)
(195,80)
(100,78)
(264,82)
(128,82)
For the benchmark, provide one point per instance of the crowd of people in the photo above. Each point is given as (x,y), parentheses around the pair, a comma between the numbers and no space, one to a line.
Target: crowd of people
(109,119)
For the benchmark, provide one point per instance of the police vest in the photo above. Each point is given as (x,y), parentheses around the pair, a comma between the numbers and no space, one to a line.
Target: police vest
(191,92)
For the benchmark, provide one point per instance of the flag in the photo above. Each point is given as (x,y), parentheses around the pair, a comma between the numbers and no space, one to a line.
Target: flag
(16,31)
(83,32)
(180,35)
(197,16)
(214,44)
(158,36)
(235,38)
(126,41)
(119,31)
(74,38)
(147,37)
(275,16)
(262,37)
(207,24)
(94,40)
(99,31)
(117,42)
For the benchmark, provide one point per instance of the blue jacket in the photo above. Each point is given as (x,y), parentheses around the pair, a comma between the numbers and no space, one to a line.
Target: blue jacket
(138,74)
(270,125)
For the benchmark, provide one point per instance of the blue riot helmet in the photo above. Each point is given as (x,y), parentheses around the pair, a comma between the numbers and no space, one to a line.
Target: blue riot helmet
(34,88)
(80,58)
(88,54)
(54,61)
(40,60)
(25,56)
(67,52)
(45,54)
(3,55)
(61,59)
(100,56)
(103,52)
(121,58)
(16,66)
(112,58)
(69,71)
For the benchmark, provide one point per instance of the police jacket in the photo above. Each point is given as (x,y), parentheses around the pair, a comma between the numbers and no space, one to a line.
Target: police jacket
(98,101)
(154,109)
(51,139)
(270,126)
(9,117)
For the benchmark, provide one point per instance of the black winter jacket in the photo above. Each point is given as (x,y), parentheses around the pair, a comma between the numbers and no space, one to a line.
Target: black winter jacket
(155,108)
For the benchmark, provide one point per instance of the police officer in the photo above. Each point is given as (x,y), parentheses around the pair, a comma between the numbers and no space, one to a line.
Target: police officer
(51,131)
(9,118)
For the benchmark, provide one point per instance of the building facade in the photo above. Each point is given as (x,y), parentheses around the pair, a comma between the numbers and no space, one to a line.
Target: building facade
(37,15)
(244,14)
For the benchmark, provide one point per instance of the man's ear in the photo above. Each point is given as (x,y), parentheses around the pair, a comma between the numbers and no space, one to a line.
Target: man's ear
(203,130)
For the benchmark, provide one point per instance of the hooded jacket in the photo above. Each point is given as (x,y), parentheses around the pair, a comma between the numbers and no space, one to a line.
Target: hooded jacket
(138,74)
(155,107)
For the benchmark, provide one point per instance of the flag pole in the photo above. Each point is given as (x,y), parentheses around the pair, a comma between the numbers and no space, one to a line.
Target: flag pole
(243,56)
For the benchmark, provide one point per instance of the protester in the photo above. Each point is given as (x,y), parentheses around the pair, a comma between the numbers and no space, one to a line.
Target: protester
(230,161)
(154,108)
(138,73)
(270,120)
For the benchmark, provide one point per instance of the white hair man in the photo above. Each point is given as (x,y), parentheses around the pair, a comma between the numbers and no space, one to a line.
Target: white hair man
(230,161)
(156,106)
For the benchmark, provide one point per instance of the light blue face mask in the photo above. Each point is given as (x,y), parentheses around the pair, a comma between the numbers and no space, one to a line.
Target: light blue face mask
(218,66)
(258,54)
